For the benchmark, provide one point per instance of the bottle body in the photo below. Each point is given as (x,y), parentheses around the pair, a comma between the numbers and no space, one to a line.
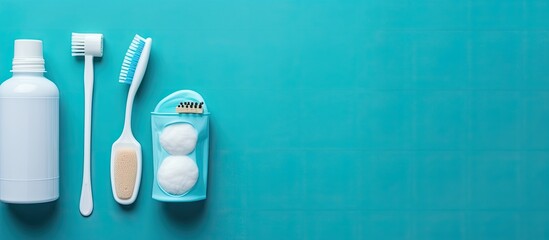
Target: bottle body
(29,139)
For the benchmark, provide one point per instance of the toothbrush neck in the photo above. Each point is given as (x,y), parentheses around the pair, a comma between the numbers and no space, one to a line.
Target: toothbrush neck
(129,107)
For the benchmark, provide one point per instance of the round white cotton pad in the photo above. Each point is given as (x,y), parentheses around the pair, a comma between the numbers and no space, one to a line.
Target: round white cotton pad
(178,139)
(177,174)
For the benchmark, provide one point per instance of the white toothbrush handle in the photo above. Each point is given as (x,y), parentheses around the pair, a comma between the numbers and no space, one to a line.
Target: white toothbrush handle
(86,200)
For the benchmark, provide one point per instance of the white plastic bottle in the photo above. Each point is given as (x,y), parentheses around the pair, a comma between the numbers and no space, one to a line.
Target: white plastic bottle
(29,129)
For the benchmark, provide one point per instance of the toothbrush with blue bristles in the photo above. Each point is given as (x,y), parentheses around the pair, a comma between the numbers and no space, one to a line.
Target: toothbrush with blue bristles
(126,151)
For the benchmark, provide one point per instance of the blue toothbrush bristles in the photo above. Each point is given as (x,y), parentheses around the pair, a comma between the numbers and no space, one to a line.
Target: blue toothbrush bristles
(131,59)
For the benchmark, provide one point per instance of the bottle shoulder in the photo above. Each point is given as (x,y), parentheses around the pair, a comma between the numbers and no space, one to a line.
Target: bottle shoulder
(28,87)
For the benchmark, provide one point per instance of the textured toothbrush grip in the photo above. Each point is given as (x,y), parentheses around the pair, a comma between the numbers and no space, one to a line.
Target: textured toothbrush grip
(125,172)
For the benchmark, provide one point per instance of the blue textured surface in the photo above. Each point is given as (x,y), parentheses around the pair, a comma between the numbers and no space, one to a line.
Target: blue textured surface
(330,120)
(131,59)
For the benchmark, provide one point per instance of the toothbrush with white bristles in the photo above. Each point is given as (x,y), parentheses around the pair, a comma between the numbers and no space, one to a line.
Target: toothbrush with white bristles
(88,45)
(126,151)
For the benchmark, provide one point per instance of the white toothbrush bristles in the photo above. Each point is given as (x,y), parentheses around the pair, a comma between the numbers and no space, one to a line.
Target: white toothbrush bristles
(78,41)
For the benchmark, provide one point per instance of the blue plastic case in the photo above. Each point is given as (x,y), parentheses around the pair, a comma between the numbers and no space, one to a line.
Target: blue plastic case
(164,115)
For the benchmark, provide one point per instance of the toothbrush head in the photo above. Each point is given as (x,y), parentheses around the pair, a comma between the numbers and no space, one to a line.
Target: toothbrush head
(131,59)
(87,44)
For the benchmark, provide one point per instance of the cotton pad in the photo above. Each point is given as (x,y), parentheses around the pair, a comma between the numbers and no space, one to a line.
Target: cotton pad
(177,174)
(178,139)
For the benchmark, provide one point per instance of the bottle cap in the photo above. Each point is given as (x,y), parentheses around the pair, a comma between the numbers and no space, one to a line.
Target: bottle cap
(28,56)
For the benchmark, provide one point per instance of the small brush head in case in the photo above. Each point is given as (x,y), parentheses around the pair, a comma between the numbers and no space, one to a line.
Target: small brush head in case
(190,107)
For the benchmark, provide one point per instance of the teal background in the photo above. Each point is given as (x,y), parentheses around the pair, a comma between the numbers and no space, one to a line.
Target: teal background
(330,119)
